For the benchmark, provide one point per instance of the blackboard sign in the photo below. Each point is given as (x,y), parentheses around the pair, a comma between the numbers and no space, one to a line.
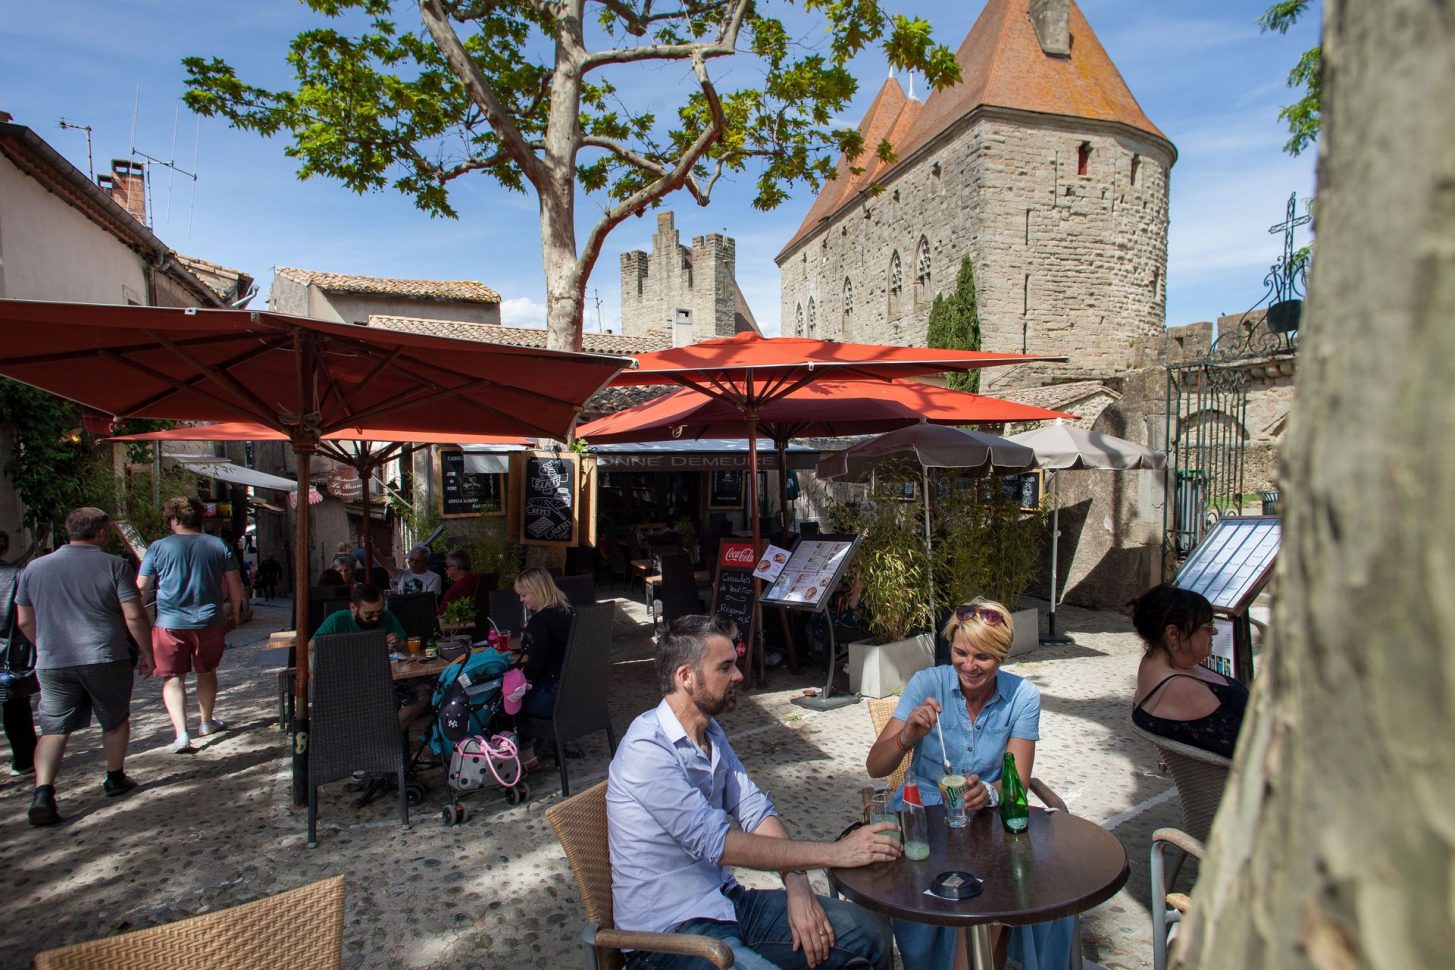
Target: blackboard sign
(462,493)
(548,495)
(727,489)
(733,589)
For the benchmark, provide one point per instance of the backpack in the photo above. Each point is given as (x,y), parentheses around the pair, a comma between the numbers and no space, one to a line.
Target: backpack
(17,654)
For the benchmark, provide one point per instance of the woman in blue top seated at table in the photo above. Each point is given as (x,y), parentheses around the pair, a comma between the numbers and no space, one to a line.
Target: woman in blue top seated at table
(984,712)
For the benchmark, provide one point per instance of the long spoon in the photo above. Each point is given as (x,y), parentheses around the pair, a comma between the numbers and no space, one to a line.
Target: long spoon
(943,753)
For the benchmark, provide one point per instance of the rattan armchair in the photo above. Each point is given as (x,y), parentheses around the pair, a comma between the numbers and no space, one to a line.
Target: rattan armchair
(580,824)
(300,928)
(1200,777)
(1168,907)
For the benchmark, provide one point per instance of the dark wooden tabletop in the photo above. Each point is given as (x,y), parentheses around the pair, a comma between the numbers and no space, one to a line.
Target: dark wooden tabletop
(1061,866)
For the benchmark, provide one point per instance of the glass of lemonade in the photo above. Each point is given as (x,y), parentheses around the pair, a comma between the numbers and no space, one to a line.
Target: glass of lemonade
(952,789)
(879,811)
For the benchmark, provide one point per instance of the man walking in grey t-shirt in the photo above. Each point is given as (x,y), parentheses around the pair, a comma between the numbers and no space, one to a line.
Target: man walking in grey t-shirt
(77,606)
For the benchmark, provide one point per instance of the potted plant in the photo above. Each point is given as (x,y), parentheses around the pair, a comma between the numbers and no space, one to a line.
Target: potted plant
(458,615)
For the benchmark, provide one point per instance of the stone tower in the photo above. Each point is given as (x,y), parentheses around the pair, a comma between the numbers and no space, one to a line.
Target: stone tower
(1039,165)
(690,292)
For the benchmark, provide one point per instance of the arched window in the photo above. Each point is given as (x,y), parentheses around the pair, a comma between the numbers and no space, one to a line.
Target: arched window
(922,273)
(812,318)
(896,285)
(846,322)
(798,321)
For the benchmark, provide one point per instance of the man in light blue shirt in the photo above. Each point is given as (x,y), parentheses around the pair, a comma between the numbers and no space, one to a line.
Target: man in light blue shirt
(672,788)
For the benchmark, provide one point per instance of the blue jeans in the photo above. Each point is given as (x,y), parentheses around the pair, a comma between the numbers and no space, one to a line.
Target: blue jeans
(539,701)
(762,940)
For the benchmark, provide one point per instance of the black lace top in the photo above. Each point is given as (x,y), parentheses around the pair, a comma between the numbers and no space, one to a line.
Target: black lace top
(1216,732)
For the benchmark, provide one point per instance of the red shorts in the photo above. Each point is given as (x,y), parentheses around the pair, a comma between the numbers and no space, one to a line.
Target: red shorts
(179,652)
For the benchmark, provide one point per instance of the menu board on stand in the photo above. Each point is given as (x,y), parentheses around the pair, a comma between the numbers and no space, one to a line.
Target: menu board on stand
(807,582)
(733,593)
(465,493)
(544,496)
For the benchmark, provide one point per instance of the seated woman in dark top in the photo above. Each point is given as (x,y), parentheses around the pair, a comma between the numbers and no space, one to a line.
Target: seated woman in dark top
(339,574)
(546,633)
(1177,697)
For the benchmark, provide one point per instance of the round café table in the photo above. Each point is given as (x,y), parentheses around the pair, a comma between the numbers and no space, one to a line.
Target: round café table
(1060,866)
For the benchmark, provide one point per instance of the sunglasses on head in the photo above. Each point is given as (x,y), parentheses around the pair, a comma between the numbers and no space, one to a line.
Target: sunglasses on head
(987,616)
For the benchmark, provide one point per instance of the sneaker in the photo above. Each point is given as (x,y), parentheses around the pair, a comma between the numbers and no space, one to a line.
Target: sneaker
(211,727)
(118,787)
(21,772)
(43,807)
(183,744)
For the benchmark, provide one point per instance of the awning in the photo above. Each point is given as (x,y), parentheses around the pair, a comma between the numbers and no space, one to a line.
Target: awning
(488,459)
(701,454)
(226,471)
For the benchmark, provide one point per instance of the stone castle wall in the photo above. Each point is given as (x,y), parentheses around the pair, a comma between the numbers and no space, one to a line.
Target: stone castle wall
(1065,264)
(701,280)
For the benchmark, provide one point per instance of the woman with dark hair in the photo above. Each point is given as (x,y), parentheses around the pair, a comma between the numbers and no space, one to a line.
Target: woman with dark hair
(1177,697)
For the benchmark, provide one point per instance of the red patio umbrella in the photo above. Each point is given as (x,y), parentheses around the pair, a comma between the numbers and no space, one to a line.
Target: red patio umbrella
(823,409)
(750,372)
(363,449)
(303,378)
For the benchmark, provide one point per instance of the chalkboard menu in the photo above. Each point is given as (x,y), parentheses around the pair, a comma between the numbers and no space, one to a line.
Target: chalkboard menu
(813,570)
(463,493)
(727,489)
(548,498)
(733,589)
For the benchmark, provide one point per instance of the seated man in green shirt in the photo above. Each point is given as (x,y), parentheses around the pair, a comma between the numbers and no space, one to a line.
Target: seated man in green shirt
(366,612)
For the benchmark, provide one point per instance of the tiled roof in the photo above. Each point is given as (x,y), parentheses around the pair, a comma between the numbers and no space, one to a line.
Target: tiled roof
(742,313)
(467,291)
(1002,65)
(592,343)
(609,400)
(1058,397)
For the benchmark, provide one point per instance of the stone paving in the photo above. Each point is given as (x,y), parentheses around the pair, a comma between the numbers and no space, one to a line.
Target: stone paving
(217,828)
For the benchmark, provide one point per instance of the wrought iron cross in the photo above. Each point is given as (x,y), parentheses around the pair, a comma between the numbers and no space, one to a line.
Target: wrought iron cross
(1285,271)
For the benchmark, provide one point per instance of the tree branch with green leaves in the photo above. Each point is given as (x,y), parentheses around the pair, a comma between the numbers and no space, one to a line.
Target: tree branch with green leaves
(1305,116)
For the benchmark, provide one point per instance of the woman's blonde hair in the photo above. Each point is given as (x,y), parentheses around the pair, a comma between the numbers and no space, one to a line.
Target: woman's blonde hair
(992,638)
(538,582)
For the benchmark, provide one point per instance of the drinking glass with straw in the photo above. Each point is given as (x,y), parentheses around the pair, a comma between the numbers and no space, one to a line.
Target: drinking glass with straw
(952,787)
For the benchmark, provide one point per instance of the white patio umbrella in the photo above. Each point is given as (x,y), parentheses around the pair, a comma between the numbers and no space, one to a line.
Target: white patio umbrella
(1061,446)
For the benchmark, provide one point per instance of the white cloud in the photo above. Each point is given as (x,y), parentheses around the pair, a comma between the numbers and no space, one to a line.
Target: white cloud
(522,311)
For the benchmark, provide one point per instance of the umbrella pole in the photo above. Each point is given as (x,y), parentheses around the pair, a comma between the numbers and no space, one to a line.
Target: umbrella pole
(755,663)
(368,528)
(298,730)
(929,551)
(782,444)
(1051,636)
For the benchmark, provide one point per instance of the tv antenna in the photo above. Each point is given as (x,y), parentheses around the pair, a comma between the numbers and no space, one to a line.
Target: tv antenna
(599,326)
(90,159)
(173,169)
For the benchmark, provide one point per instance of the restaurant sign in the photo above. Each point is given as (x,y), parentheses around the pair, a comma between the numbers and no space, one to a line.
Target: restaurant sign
(681,462)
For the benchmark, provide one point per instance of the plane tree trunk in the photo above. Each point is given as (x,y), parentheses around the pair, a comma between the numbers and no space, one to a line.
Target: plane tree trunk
(1335,846)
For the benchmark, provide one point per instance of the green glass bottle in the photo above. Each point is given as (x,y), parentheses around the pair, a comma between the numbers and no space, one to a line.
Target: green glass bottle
(1015,811)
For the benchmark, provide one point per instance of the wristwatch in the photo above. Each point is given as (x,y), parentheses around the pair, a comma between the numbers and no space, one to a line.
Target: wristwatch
(991,794)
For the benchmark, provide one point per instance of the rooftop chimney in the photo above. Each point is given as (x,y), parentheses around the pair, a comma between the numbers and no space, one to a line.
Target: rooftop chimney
(127,185)
(1052,20)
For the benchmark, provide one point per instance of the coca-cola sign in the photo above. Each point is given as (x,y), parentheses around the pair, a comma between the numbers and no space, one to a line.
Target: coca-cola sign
(736,555)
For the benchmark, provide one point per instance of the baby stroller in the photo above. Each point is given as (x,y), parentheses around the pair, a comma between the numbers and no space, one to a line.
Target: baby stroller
(466,700)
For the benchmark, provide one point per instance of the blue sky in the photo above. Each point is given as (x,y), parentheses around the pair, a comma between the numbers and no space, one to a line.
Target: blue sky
(1201,71)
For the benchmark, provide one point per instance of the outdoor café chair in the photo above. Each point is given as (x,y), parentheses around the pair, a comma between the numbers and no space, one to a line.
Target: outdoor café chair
(354,726)
(679,587)
(580,824)
(416,612)
(300,928)
(581,696)
(1168,907)
(1200,777)
(580,590)
(505,611)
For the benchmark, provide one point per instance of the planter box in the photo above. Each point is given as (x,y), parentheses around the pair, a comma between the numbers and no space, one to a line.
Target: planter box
(1027,630)
(881,669)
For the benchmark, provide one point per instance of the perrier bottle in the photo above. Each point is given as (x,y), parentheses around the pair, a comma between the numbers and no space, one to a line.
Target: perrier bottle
(1015,812)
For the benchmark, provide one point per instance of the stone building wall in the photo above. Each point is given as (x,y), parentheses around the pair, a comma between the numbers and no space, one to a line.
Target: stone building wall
(1065,264)
(701,279)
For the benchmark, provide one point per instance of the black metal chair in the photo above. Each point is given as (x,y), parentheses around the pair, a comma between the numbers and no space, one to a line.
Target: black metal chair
(621,564)
(485,584)
(353,724)
(678,593)
(580,590)
(581,697)
(505,610)
(416,612)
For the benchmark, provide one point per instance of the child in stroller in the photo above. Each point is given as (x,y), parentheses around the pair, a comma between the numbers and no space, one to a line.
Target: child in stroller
(467,697)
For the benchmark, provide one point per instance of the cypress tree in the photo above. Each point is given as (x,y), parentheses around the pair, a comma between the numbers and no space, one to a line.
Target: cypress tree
(955,324)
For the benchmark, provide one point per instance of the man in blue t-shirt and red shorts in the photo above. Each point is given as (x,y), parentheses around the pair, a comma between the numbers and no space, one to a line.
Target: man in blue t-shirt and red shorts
(199,598)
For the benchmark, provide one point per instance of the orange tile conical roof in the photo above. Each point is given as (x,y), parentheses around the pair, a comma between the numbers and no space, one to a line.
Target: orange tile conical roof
(1002,65)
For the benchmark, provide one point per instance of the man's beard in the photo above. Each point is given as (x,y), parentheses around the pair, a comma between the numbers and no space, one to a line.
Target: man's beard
(713,706)
(366,624)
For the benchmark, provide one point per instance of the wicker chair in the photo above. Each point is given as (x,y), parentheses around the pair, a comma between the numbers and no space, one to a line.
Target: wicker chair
(354,725)
(580,824)
(679,587)
(1168,907)
(505,611)
(580,590)
(416,612)
(881,709)
(581,697)
(300,928)
(1200,777)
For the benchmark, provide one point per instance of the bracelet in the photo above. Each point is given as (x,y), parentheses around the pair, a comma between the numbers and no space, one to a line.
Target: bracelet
(899,743)
(992,796)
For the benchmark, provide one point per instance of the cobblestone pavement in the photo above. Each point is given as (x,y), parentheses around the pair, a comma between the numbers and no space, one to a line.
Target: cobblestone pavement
(217,828)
